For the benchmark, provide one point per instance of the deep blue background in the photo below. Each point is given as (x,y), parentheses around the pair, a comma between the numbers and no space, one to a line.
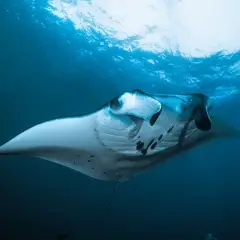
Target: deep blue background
(46,72)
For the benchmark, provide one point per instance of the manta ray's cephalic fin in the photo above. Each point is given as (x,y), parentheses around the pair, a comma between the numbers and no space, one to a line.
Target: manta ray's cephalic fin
(201,116)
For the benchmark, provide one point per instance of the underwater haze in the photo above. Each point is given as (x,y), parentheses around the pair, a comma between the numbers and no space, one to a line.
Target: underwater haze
(60,58)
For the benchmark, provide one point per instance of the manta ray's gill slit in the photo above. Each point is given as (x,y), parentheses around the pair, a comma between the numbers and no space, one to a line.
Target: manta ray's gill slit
(139,145)
(160,137)
(144,151)
(136,139)
(101,142)
(150,143)
(170,129)
(154,145)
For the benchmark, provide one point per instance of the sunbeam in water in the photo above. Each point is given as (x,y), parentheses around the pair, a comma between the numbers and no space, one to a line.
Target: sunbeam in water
(164,29)
(156,26)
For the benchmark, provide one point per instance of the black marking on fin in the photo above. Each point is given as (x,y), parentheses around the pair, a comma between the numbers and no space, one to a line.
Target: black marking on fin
(154,117)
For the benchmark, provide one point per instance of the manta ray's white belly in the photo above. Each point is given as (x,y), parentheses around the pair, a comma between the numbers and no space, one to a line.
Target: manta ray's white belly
(100,146)
(120,157)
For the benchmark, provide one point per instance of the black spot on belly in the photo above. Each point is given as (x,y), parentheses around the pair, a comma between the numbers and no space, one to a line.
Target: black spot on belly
(160,137)
(92,156)
(150,143)
(92,168)
(170,129)
(89,160)
(144,151)
(139,145)
(154,117)
(154,145)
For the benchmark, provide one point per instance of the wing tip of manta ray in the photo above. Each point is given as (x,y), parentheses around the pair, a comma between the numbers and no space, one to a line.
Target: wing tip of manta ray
(5,151)
(9,149)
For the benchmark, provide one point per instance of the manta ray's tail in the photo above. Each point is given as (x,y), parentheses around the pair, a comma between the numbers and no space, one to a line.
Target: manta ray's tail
(224,129)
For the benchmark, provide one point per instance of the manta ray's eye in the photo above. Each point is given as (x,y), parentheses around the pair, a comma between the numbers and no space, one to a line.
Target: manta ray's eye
(115,103)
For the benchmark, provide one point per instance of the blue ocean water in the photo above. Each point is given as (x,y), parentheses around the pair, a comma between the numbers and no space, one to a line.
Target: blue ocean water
(61,58)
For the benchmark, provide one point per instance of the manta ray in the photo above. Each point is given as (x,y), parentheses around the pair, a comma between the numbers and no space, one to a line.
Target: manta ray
(131,133)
